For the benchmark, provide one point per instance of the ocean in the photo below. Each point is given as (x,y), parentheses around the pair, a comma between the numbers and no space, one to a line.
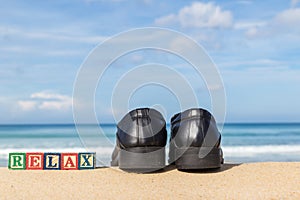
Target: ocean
(240,142)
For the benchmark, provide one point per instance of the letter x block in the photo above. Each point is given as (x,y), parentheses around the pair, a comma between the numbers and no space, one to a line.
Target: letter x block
(52,161)
(69,161)
(17,161)
(86,160)
(34,161)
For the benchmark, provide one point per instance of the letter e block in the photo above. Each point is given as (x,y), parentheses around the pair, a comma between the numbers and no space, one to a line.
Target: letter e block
(69,161)
(34,161)
(86,160)
(52,161)
(17,161)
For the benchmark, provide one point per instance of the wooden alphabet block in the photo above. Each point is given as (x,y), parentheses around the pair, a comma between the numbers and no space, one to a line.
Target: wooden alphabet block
(69,161)
(52,161)
(86,160)
(34,161)
(17,161)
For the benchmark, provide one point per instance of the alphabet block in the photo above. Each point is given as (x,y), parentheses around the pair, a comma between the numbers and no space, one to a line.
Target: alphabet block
(86,160)
(17,161)
(69,161)
(52,161)
(34,161)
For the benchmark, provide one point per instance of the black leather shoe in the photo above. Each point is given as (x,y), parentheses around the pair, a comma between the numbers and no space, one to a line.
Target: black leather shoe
(141,140)
(195,141)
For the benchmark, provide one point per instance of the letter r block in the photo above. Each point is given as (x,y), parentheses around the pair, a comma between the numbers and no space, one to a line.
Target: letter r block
(17,161)
(34,161)
(69,161)
(52,161)
(86,160)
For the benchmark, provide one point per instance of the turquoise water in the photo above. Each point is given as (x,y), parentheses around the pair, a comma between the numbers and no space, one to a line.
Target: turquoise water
(240,142)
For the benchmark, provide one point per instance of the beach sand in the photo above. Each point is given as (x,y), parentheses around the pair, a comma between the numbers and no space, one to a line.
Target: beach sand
(232,181)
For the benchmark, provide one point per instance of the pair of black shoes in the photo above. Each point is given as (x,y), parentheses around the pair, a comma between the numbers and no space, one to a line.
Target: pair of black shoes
(142,136)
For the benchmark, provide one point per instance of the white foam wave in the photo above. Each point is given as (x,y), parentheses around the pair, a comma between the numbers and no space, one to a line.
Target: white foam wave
(241,151)
(103,151)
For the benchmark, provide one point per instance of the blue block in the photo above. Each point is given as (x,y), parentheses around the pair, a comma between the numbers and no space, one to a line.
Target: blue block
(86,160)
(52,161)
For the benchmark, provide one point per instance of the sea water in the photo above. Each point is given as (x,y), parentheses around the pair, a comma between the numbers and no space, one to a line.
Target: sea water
(240,142)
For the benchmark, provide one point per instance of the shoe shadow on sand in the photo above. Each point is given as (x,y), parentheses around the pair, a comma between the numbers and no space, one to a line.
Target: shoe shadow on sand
(168,168)
(224,167)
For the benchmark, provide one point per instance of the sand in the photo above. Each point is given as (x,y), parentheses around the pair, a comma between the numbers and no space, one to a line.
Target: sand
(232,181)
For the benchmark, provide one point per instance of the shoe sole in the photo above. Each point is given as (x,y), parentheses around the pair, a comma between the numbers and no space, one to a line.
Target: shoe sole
(142,159)
(190,158)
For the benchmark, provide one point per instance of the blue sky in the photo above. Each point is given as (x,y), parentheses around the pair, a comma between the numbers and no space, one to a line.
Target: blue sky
(255,45)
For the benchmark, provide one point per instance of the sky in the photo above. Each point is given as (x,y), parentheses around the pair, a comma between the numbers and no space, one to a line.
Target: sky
(254,44)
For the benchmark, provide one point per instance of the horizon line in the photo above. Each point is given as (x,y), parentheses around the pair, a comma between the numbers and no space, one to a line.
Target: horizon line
(110,123)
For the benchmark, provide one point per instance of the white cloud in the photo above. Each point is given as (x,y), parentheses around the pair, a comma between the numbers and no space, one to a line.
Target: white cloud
(199,15)
(34,36)
(24,49)
(55,105)
(259,63)
(288,18)
(294,3)
(250,27)
(179,44)
(251,32)
(46,101)
(47,95)
(27,105)
(166,20)
(285,22)
(249,24)
(66,36)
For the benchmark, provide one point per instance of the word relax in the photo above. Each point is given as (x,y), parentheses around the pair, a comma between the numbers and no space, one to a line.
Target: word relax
(51,161)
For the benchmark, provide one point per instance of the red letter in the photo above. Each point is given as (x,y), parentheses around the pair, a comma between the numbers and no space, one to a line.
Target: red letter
(69,162)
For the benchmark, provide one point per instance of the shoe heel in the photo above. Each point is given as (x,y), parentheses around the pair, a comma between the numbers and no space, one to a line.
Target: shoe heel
(190,158)
(142,159)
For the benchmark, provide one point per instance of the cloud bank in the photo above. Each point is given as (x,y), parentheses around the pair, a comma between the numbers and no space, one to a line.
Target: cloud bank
(46,101)
(198,15)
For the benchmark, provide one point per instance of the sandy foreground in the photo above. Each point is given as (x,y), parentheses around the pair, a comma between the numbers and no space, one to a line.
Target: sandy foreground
(244,181)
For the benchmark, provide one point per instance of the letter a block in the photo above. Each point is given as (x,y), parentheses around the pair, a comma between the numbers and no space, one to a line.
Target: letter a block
(86,160)
(17,161)
(69,161)
(34,161)
(52,161)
